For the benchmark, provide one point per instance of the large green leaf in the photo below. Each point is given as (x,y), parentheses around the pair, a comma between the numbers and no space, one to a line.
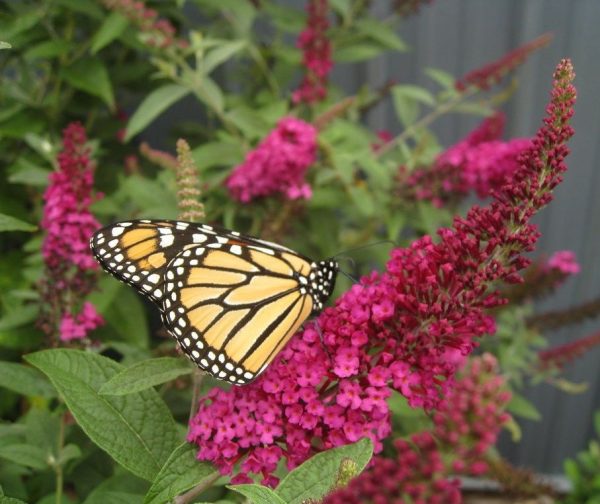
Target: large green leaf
(319,474)
(91,76)
(153,105)
(146,374)
(181,472)
(24,380)
(8,223)
(137,430)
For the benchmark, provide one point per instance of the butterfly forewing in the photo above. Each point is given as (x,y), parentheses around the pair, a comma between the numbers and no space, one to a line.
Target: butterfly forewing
(231,301)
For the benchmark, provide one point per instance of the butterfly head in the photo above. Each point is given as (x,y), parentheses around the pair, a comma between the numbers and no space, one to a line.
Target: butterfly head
(321,282)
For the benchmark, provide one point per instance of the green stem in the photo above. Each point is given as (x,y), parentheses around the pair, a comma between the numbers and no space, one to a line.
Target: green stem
(58,467)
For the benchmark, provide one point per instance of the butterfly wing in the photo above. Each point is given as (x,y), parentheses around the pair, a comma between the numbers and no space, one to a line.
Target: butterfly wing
(232,301)
(233,306)
(138,252)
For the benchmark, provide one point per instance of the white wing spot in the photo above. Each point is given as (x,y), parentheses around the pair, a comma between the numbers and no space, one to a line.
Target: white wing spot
(154,278)
(117,231)
(199,238)
(158,293)
(236,249)
(167,240)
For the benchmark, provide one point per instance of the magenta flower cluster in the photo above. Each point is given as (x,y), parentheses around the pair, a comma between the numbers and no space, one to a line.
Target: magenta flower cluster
(466,425)
(406,329)
(69,224)
(563,261)
(278,165)
(316,59)
(479,163)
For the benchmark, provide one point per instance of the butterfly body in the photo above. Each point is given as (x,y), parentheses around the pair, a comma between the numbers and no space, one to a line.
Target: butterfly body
(231,301)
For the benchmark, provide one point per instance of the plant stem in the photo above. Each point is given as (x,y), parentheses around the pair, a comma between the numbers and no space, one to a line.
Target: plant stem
(197,490)
(197,379)
(58,467)
(426,120)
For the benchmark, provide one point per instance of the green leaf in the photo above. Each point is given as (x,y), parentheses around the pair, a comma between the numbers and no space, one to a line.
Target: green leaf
(26,455)
(112,27)
(8,223)
(5,45)
(319,474)
(181,472)
(146,374)
(48,49)
(153,105)
(359,51)
(342,7)
(137,430)
(415,93)
(382,33)
(26,172)
(113,497)
(362,199)
(10,500)
(444,79)
(69,452)
(90,76)
(249,121)
(221,54)
(217,154)
(258,494)
(127,317)
(523,408)
(24,380)
(210,93)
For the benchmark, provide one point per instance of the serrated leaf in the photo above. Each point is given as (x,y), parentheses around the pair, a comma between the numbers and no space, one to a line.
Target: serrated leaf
(181,471)
(112,27)
(146,374)
(24,380)
(523,408)
(136,430)
(8,223)
(91,76)
(26,455)
(258,494)
(153,105)
(221,54)
(318,475)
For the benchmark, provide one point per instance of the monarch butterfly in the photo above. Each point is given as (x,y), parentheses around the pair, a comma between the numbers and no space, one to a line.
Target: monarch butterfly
(231,301)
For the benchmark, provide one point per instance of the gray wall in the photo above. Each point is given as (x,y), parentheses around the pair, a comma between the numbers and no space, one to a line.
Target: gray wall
(460,35)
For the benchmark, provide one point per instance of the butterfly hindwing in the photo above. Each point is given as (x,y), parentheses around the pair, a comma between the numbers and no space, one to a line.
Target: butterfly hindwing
(232,307)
